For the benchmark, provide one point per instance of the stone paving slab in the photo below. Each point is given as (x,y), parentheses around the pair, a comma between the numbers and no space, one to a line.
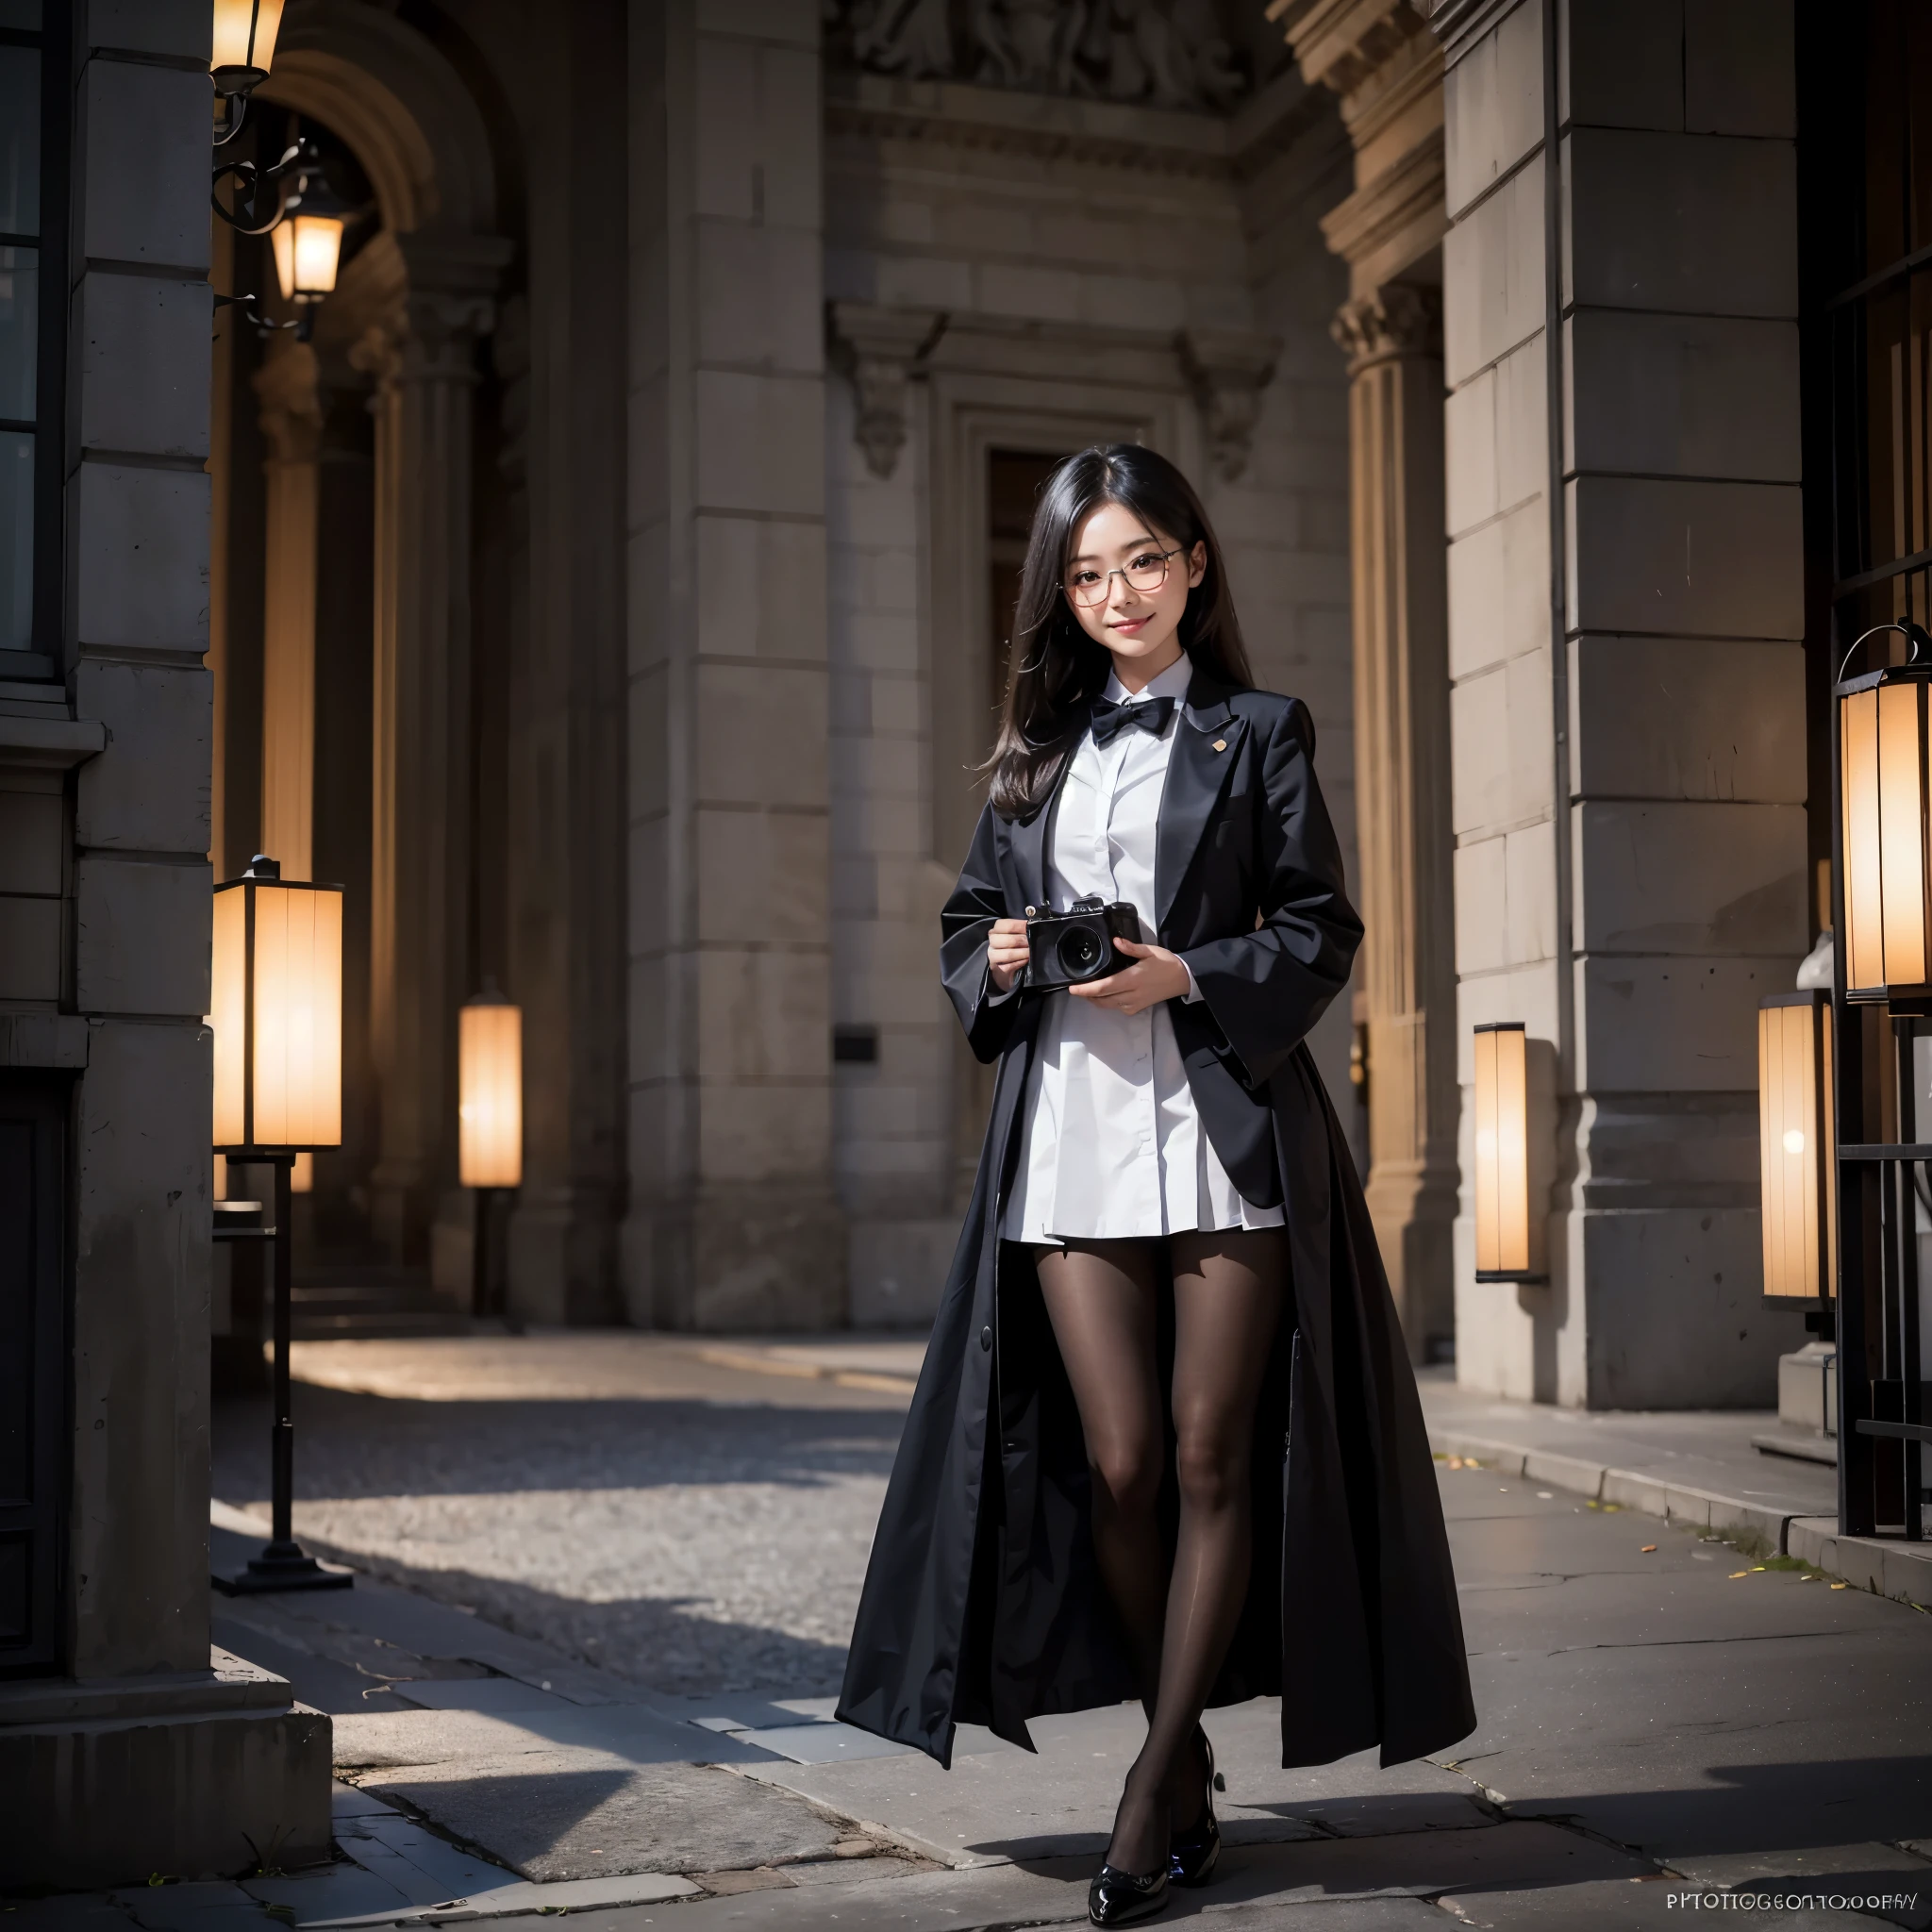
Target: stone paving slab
(1900,1877)
(572,1815)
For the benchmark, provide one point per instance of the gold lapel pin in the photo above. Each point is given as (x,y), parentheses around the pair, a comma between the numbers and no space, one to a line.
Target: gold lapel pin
(1221,744)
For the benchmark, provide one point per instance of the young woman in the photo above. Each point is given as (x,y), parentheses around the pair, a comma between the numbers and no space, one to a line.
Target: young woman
(1166,1443)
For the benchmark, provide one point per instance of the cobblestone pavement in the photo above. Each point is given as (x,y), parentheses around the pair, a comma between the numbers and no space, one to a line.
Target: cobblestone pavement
(689,1524)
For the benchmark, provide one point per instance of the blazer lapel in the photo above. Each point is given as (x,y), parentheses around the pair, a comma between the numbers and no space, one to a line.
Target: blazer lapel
(1196,776)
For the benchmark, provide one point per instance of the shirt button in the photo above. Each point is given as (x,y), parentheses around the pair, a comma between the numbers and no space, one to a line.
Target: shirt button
(985,1337)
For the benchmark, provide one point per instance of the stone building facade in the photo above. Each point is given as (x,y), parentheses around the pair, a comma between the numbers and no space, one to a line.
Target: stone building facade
(624,584)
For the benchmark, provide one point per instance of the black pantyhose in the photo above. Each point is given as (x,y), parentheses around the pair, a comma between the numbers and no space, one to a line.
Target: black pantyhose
(1101,1296)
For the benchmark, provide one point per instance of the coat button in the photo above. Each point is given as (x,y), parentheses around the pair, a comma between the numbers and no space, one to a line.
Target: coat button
(985,1337)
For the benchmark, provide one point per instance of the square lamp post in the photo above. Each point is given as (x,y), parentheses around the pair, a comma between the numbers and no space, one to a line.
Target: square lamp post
(277,1016)
(490,1119)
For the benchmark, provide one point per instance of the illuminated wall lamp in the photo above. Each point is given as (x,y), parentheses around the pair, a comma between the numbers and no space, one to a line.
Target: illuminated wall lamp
(1797,1146)
(1509,1235)
(489,1116)
(244,44)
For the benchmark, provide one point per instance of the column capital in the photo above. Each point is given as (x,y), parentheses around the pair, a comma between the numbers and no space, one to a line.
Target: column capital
(1397,320)
(1227,370)
(289,384)
(880,349)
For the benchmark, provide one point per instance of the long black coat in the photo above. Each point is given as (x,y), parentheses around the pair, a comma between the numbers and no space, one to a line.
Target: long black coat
(982,1602)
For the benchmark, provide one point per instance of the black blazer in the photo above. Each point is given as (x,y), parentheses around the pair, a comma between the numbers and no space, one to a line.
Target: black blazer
(982,1601)
(1248,890)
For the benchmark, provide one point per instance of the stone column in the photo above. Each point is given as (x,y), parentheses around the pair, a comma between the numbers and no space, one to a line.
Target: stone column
(423,362)
(1394,340)
(734,1222)
(1379,58)
(1626,610)
(292,414)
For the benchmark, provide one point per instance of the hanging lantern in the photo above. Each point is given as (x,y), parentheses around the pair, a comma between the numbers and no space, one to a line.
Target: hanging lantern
(308,240)
(245,44)
(1508,1237)
(490,1106)
(1796,1147)
(278,1013)
(1882,829)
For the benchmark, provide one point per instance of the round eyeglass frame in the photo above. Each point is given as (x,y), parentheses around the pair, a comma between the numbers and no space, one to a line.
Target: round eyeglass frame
(1119,570)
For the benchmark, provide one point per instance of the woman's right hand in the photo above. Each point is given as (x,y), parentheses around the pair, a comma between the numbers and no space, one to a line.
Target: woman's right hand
(1005,953)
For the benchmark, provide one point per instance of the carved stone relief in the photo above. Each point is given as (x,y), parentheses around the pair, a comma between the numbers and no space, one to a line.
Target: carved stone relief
(1165,52)
(1228,369)
(877,348)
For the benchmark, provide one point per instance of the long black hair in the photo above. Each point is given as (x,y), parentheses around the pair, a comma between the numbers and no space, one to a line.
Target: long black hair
(1057,670)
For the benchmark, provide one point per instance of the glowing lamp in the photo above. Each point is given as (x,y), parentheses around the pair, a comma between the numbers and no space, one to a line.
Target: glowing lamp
(308,240)
(1796,1145)
(245,44)
(489,1109)
(1508,1237)
(278,1013)
(1882,828)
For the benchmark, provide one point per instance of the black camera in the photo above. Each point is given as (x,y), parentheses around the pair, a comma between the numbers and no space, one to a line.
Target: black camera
(1072,947)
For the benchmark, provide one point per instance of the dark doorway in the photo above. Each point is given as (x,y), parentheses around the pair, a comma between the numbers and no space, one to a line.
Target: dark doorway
(1014,479)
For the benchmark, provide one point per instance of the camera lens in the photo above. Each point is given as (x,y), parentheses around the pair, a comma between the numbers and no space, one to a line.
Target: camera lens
(1080,952)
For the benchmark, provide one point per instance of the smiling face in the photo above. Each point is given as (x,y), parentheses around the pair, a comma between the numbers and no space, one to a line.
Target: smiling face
(1137,618)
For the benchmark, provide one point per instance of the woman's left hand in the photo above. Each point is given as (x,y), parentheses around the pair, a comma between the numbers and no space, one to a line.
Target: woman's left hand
(1157,975)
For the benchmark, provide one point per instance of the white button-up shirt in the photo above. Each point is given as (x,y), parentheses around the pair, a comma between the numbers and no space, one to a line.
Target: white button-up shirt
(1113,1147)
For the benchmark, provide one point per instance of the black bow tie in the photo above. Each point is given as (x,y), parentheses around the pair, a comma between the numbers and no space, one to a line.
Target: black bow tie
(1111,720)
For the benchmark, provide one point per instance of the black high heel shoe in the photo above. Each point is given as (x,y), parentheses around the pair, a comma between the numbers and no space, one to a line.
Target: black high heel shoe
(1122,1898)
(1193,1854)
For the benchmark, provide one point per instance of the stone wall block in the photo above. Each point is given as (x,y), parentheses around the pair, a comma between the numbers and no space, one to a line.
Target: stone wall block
(764,1015)
(761,590)
(182,27)
(139,541)
(647,770)
(1492,101)
(1740,75)
(1481,906)
(757,112)
(1492,275)
(790,23)
(1704,225)
(762,877)
(1529,917)
(1500,724)
(140,1274)
(1497,428)
(761,442)
(1714,559)
(1625,63)
(1682,395)
(758,1132)
(148,791)
(1650,1026)
(1499,590)
(756,296)
(144,195)
(142,939)
(140,351)
(1526,993)
(1673,718)
(762,736)
(1675,1315)
(31,846)
(1690,878)
(30,949)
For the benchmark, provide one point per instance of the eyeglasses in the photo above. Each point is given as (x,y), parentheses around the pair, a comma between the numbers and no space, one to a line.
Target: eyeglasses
(1145,573)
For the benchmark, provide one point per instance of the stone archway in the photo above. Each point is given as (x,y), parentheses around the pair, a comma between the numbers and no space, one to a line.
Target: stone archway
(405,321)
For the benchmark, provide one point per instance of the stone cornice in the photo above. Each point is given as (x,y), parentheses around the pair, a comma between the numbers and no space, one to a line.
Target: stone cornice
(1040,127)
(1339,44)
(1459,24)
(1407,194)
